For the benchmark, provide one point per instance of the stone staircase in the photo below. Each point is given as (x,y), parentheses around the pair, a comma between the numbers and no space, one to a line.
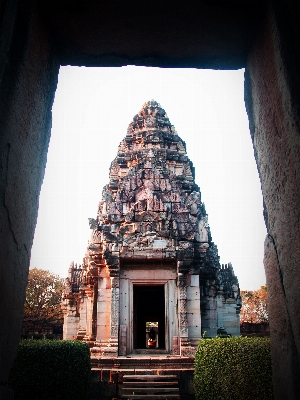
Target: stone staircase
(148,376)
(150,387)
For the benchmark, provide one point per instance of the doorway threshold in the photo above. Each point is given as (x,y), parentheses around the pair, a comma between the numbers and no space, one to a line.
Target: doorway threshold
(150,352)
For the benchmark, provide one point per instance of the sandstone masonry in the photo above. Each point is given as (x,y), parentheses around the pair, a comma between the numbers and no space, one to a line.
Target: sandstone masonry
(150,257)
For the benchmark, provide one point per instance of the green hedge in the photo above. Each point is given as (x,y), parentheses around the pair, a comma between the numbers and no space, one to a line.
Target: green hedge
(51,369)
(234,368)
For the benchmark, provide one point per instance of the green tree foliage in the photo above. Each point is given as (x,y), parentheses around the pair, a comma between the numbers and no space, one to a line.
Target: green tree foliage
(43,297)
(51,370)
(254,305)
(234,368)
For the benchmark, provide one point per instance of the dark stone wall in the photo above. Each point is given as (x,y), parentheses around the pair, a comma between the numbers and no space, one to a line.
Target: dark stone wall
(272,99)
(168,33)
(27,88)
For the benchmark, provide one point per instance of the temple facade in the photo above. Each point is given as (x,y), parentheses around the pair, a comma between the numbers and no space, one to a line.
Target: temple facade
(151,280)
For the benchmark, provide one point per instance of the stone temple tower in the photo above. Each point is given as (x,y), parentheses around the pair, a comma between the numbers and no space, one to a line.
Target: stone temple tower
(150,264)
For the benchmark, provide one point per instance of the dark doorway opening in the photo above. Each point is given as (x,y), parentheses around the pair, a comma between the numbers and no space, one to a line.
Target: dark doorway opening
(148,305)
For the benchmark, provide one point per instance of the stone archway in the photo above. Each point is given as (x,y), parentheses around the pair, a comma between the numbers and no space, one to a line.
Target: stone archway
(263,36)
(138,286)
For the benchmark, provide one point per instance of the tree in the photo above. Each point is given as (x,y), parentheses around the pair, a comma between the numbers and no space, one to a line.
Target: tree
(254,305)
(43,297)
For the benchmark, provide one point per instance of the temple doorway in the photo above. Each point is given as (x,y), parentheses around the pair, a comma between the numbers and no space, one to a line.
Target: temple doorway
(148,299)
(149,317)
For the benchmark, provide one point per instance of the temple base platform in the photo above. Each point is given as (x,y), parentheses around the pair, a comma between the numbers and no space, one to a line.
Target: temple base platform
(113,376)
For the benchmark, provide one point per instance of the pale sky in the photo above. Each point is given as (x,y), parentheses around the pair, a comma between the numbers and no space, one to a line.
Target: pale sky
(92,110)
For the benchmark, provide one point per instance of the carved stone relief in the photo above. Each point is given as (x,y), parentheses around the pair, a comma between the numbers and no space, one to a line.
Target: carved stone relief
(152,209)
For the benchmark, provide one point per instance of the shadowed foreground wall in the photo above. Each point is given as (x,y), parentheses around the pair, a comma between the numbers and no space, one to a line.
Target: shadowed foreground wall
(37,36)
(272,99)
(27,90)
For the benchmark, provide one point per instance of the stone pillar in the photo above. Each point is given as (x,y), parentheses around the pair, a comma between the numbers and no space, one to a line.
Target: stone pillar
(83,317)
(209,308)
(115,296)
(71,319)
(231,317)
(112,348)
(193,310)
(103,310)
(183,321)
(220,308)
(89,314)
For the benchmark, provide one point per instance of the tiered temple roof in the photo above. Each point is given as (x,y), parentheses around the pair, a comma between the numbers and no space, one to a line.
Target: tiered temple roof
(152,209)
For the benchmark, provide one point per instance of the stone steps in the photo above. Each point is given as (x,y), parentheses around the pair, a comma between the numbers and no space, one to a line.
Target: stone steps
(108,376)
(154,362)
(150,351)
(150,387)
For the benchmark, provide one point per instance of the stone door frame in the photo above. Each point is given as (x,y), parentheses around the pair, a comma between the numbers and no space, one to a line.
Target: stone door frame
(126,318)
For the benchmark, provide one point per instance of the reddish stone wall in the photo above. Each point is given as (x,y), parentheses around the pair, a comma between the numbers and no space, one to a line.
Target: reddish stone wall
(274,124)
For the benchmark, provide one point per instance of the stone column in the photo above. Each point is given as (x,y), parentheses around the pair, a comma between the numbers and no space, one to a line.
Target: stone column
(103,309)
(183,267)
(220,307)
(115,296)
(89,314)
(183,321)
(112,348)
(71,319)
(83,317)
(193,310)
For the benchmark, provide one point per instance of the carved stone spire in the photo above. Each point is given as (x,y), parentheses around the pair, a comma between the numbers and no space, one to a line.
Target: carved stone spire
(152,209)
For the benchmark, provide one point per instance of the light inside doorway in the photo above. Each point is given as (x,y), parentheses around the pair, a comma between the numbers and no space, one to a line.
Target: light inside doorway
(152,334)
(149,316)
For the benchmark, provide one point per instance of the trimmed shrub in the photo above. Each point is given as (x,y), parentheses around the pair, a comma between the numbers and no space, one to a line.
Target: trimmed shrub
(51,369)
(234,368)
